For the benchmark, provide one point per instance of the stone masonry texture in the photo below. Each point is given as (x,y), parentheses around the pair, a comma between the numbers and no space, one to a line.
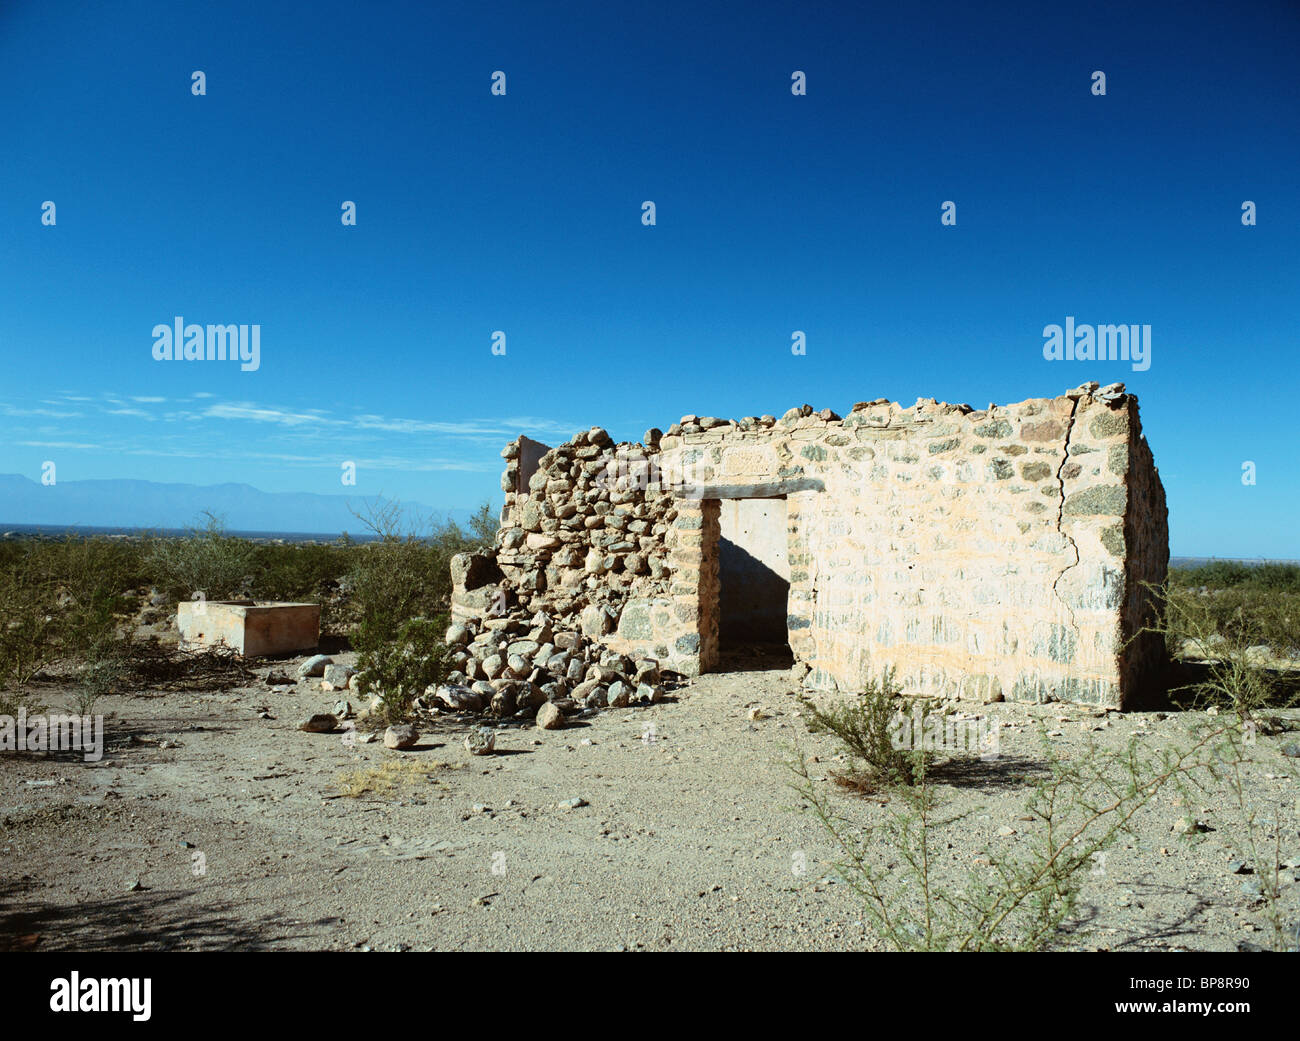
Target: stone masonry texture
(995,553)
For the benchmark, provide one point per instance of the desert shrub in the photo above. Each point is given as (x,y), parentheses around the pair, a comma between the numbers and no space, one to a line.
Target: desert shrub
(299,572)
(94,570)
(11,552)
(399,669)
(401,588)
(406,572)
(1230,574)
(1244,615)
(306,572)
(100,675)
(104,658)
(393,581)
(1246,604)
(29,622)
(1226,629)
(868,728)
(1026,894)
(63,601)
(482,529)
(13,701)
(99,578)
(207,561)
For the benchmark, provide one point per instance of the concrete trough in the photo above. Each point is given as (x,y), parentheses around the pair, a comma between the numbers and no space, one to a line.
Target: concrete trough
(249,627)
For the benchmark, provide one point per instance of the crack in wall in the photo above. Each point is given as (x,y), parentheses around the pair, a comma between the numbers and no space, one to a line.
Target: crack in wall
(1060,514)
(812,539)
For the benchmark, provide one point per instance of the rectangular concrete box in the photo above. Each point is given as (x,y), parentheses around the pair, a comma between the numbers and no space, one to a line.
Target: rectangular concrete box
(250,628)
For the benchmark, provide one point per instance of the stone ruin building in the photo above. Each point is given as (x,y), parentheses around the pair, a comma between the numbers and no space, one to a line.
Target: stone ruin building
(993,554)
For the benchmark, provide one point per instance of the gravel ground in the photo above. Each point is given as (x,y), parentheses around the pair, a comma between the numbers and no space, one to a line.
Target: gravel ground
(689,836)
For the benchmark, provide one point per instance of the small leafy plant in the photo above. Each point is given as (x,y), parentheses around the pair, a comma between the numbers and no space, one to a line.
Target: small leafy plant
(868,726)
(399,670)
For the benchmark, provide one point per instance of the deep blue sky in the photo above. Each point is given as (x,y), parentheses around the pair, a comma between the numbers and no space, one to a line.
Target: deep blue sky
(523,213)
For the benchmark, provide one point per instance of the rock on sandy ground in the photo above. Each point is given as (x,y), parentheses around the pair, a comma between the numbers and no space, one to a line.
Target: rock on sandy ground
(214,823)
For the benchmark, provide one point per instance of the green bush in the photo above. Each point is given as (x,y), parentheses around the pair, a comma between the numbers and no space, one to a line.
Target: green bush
(30,622)
(393,581)
(401,586)
(1237,616)
(1231,574)
(1238,603)
(406,572)
(209,561)
(867,726)
(399,669)
(300,572)
(63,601)
(1226,630)
(1028,892)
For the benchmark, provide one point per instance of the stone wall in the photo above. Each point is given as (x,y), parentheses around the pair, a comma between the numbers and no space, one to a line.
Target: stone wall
(1146,546)
(998,553)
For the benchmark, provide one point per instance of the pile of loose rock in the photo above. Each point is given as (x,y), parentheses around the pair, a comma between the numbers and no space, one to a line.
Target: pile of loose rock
(515,668)
(510,669)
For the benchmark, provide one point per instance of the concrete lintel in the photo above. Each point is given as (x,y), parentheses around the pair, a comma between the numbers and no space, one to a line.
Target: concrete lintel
(757,490)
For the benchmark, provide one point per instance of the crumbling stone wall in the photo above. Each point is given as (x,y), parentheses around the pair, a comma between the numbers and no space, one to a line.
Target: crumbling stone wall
(998,553)
(1146,551)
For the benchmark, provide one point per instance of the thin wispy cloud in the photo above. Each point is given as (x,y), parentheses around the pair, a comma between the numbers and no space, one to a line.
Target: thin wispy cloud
(481,430)
(257,414)
(405,444)
(9,410)
(428,465)
(461,428)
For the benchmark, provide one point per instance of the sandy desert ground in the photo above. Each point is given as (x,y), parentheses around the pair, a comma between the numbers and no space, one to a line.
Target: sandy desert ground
(687,834)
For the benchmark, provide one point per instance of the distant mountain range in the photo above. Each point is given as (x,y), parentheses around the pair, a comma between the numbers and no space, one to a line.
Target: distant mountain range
(154,505)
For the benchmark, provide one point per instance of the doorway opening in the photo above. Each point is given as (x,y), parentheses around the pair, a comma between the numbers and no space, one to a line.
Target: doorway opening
(754,580)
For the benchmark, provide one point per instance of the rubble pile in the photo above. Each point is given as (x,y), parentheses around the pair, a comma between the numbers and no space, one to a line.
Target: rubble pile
(511,668)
